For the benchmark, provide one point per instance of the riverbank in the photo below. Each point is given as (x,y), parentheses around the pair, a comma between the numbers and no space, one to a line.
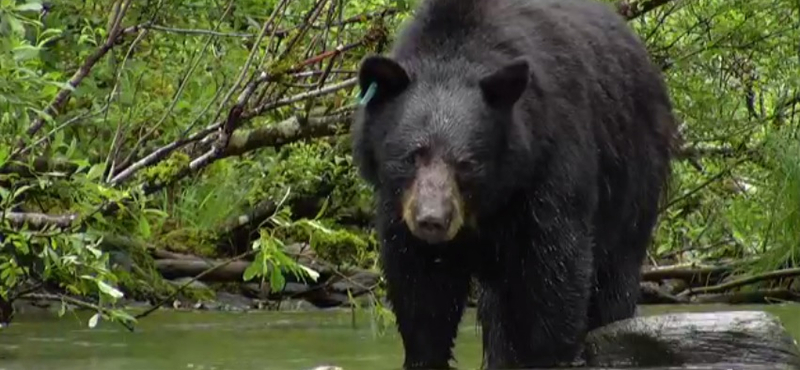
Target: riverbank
(217,285)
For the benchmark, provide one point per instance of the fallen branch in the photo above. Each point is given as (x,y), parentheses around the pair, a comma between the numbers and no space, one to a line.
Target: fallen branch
(205,270)
(766,296)
(689,273)
(772,275)
(39,221)
(161,254)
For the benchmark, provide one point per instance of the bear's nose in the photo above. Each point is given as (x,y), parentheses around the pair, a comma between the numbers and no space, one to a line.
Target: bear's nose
(433,220)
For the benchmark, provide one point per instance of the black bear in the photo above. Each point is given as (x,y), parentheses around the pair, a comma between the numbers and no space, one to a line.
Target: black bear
(526,143)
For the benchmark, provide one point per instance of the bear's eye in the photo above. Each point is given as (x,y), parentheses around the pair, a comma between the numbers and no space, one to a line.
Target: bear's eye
(415,156)
(467,165)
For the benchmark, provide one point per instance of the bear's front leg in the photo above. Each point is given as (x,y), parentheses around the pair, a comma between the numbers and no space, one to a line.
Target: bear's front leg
(533,307)
(427,290)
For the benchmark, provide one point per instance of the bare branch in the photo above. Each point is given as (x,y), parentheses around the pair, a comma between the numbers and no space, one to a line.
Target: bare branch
(161,153)
(288,131)
(199,32)
(300,97)
(39,221)
(164,151)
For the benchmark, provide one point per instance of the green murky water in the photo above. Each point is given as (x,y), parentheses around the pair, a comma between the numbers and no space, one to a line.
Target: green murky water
(241,341)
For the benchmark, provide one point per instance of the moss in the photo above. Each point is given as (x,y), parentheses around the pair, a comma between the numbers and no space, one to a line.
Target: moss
(189,240)
(167,169)
(340,247)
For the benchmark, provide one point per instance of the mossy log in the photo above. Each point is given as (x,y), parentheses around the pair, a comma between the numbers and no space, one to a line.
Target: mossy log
(709,340)
(732,340)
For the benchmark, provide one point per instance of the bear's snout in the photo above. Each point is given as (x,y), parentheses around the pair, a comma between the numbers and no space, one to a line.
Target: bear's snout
(433,217)
(432,206)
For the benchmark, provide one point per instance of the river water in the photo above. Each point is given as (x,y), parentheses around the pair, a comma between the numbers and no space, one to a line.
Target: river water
(170,340)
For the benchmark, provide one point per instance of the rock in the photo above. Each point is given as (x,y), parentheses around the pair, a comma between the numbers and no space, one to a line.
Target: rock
(297,305)
(717,340)
(290,290)
(233,302)
(326,299)
(256,290)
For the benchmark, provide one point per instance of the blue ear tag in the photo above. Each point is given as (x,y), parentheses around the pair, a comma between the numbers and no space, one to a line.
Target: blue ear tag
(369,94)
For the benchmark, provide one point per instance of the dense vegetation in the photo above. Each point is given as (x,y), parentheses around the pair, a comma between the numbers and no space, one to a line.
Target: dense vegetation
(145,142)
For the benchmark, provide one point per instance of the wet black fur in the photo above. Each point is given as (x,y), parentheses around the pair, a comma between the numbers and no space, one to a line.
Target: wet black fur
(564,184)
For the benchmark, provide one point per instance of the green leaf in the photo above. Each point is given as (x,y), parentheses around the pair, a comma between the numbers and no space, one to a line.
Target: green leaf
(93,320)
(15,25)
(34,6)
(25,52)
(96,171)
(122,316)
(109,290)
(251,271)
(276,279)
(311,273)
(20,190)
(96,252)
(144,227)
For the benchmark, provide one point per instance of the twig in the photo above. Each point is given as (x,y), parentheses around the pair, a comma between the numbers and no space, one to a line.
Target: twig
(199,32)
(308,20)
(116,142)
(771,275)
(702,186)
(237,113)
(76,302)
(61,99)
(192,280)
(300,97)
(267,25)
(161,153)
(55,130)
(184,82)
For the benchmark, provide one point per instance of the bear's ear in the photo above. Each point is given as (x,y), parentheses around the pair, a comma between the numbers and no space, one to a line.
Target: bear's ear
(389,77)
(503,87)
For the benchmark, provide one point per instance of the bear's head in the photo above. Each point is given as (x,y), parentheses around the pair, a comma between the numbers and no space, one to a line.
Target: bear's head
(440,142)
